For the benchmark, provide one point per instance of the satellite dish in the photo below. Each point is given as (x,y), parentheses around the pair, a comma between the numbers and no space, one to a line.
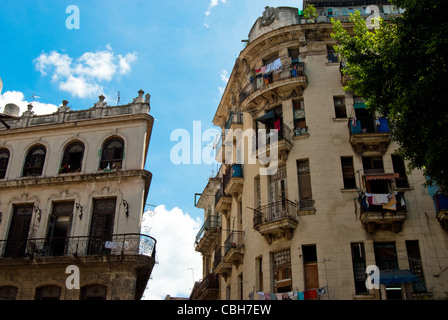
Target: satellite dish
(11,110)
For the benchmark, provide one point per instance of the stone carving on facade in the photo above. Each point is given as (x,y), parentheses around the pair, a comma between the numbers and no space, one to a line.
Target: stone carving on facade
(269,16)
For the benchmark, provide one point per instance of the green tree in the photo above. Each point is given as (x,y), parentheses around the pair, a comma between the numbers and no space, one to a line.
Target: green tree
(401,71)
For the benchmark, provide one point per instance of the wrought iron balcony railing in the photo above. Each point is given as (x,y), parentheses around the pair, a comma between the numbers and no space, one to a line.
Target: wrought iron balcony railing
(210,283)
(234,240)
(213,221)
(290,71)
(275,211)
(122,244)
(368,125)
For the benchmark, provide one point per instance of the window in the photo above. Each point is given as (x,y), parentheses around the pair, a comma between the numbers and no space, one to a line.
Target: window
(309,254)
(259,266)
(304,179)
(48,293)
(93,292)
(4,160)
(112,155)
(294,54)
(72,159)
(385,255)
(18,231)
(359,267)
(299,118)
(372,165)
(416,266)
(399,167)
(59,227)
(8,293)
(282,271)
(332,55)
(101,228)
(34,162)
(348,173)
(339,107)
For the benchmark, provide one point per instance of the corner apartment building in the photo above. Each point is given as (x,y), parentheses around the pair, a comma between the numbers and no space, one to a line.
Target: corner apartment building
(72,192)
(340,199)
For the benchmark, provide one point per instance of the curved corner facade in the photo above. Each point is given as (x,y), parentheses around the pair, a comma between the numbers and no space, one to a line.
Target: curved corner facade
(337,200)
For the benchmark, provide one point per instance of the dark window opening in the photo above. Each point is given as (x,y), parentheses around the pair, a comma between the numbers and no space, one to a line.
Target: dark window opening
(48,293)
(34,162)
(8,293)
(4,160)
(299,118)
(101,228)
(93,292)
(359,267)
(348,173)
(72,159)
(310,266)
(416,265)
(339,107)
(399,167)
(18,231)
(112,155)
(385,255)
(372,165)
(304,180)
(59,228)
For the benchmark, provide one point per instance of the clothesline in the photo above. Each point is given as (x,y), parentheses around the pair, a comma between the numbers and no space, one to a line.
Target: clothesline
(292,295)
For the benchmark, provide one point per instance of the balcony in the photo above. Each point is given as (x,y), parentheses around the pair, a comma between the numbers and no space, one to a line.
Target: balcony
(277,141)
(207,289)
(233,181)
(208,233)
(285,79)
(235,121)
(234,248)
(119,245)
(223,202)
(383,211)
(220,265)
(369,136)
(441,206)
(276,220)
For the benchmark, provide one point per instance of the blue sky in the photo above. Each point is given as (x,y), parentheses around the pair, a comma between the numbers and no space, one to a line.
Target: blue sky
(181,52)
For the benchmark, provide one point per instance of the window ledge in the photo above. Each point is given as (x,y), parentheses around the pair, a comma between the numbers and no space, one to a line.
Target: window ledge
(301,137)
(349,190)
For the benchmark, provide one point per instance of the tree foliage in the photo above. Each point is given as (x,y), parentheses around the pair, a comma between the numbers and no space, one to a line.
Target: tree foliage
(401,71)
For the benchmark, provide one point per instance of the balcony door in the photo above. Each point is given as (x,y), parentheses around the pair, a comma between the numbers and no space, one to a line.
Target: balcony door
(278,194)
(18,231)
(101,228)
(59,227)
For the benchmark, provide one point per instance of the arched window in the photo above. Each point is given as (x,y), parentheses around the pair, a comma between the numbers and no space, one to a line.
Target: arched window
(4,160)
(112,155)
(50,292)
(93,292)
(8,293)
(34,162)
(72,159)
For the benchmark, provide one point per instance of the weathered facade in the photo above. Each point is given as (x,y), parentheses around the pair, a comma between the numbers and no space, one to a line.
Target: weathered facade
(338,198)
(72,192)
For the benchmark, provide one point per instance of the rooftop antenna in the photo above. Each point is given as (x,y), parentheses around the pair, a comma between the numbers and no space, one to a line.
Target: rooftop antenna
(34,96)
(118,99)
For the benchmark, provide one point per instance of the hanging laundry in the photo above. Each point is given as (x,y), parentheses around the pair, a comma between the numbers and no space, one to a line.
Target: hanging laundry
(300,295)
(279,296)
(379,199)
(261,295)
(391,204)
(321,291)
(277,64)
(312,294)
(267,296)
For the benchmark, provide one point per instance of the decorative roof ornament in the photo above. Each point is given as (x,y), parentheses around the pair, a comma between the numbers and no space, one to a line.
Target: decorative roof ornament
(269,16)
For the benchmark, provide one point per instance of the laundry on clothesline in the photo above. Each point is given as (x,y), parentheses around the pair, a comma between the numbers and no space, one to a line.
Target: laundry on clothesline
(292,295)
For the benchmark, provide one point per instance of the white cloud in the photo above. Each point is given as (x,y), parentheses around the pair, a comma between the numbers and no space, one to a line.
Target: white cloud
(18,98)
(82,77)
(213,3)
(178,264)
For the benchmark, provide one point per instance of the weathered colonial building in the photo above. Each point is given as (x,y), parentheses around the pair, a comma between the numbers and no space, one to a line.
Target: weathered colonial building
(72,192)
(326,196)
